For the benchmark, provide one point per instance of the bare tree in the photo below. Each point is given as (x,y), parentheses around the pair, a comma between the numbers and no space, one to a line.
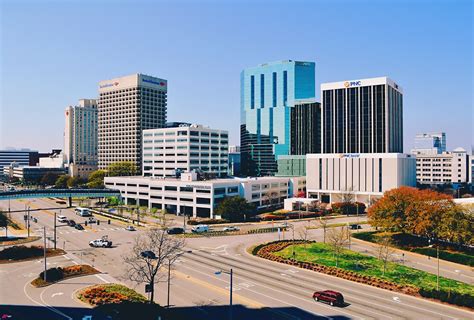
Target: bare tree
(150,253)
(304,233)
(338,238)
(323,223)
(347,196)
(385,251)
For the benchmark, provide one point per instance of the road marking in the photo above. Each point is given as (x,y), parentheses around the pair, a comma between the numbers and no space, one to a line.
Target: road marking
(48,307)
(57,294)
(101,278)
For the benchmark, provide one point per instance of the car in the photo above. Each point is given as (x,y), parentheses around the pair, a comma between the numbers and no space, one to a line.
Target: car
(71,223)
(175,230)
(101,243)
(284,225)
(200,228)
(92,220)
(355,226)
(334,298)
(231,228)
(79,227)
(130,228)
(62,218)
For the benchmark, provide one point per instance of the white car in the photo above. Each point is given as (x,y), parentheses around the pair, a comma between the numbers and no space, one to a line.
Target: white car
(200,228)
(61,218)
(231,228)
(100,243)
(130,228)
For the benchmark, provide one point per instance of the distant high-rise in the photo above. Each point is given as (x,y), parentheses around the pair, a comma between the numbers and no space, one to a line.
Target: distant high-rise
(80,138)
(430,143)
(268,92)
(362,116)
(127,106)
(305,128)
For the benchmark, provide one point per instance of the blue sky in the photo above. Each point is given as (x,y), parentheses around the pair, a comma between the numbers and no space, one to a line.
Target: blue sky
(55,52)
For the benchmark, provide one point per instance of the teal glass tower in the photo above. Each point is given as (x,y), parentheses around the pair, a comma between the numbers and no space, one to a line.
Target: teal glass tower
(268,93)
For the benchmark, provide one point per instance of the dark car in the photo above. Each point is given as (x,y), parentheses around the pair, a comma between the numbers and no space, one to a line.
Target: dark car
(79,227)
(71,223)
(175,230)
(355,226)
(334,298)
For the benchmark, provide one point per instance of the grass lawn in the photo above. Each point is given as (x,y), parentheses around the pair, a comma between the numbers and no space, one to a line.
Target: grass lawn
(365,265)
(418,245)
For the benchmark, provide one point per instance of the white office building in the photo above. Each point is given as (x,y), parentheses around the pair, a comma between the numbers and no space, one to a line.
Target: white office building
(429,143)
(362,116)
(447,167)
(128,105)
(80,138)
(167,152)
(189,196)
(366,176)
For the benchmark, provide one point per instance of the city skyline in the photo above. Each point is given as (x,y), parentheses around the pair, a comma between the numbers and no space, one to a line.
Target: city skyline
(205,80)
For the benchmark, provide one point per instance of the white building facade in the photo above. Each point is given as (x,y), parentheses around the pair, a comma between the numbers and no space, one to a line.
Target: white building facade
(200,198)
(366,176)
(429,143)
(128,105)
(80,138)
(447,167)
(170,151)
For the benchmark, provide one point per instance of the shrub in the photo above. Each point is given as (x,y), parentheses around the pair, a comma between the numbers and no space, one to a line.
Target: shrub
(21,252)
(52,274)
(193,222)
(456,298)
(111,293)
(348,207)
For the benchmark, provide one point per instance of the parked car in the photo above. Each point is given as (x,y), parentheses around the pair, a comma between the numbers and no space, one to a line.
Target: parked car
(175,230)
(355,226)
(101,243)
(61,218)
(231,228)
(200,228)
(71,223)
(79,227)
(334,298)
(92,220)
(130,228)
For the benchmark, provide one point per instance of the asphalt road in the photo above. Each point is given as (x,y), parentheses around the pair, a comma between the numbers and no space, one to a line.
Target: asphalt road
(261,290)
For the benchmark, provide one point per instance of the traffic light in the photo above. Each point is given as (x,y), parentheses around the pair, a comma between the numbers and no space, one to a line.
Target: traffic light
(98,222)
(85,223)
(108,221)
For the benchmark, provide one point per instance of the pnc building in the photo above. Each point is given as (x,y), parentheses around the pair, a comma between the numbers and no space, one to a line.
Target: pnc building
(128,105)
(362,116)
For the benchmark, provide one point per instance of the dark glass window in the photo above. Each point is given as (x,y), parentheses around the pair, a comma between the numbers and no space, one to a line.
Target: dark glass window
(252,92)
(262,91)
(274,102)
(285,87)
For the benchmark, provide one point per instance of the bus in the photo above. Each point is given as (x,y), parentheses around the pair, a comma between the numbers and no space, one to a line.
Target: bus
(83,212)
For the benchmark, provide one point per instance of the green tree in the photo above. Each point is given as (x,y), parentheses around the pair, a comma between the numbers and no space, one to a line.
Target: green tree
(122,169)
(235,209)
(96,179)
(61,181)
(74,182)
(49,179)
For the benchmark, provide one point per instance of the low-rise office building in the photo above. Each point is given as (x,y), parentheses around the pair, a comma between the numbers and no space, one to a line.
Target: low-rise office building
(365,176)
(446,167)
(169,151)
(191,197)
(31,174)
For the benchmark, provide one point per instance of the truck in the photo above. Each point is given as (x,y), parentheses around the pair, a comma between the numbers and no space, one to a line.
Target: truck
(200,228)
(103,242)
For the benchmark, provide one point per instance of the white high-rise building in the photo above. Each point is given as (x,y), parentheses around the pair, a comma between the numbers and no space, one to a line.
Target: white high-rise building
(169,151)
(430,143)
(127,106)
(80,138)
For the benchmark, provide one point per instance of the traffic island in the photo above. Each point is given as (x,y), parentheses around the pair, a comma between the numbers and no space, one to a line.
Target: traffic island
(14,240)
(24,253)
(54,275)
(121,302)
(368,270)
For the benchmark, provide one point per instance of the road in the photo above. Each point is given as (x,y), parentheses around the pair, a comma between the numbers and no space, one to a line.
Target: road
(262,289)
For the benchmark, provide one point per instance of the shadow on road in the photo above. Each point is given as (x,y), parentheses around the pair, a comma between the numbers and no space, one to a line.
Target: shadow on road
(145,312)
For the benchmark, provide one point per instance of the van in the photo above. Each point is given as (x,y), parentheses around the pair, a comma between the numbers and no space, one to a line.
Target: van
(83,212)
(61,218)
(200,228)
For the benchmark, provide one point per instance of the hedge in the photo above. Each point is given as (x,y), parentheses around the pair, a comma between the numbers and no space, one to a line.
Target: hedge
(194,222)
(456,298)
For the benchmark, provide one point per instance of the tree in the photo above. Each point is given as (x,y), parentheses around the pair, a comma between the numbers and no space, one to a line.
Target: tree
(304,232)
(150,253)
(122,169)
(337,239)
(347,196)
(61,181)
(385,250)
(49,178)
(96,179)
(235,209)
(74,182)
(323,223)
(458,225)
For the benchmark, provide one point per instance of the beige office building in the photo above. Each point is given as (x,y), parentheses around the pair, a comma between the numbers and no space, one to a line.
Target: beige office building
(127,106)
(446,167)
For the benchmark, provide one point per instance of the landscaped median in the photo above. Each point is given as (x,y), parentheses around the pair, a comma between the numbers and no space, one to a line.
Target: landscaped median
(24,253)
(54,275)
(120,302)
(366,269)
(220,233)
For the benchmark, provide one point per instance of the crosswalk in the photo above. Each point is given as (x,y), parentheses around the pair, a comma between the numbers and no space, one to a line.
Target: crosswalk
(93,230)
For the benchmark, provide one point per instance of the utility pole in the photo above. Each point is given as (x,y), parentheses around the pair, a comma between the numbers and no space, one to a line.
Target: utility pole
(54,230)
(169,278)
(230,302)
(437,278)
(28,221)
(44,250)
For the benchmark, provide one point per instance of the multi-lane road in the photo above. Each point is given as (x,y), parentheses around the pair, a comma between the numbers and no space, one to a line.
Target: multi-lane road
(261,289)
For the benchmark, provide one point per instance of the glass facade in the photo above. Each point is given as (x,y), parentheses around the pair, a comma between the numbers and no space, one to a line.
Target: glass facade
(266,117)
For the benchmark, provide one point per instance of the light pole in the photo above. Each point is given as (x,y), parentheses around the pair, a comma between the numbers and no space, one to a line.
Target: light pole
(437,258)
(231,273)
(44,252)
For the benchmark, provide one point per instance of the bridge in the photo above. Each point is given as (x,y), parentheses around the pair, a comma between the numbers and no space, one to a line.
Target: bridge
(58,193)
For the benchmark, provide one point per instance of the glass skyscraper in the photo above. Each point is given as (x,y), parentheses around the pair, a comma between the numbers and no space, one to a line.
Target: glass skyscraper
(268,92)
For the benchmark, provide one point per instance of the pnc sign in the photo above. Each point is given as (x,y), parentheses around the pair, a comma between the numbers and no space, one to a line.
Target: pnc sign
(349,84)
(114,84)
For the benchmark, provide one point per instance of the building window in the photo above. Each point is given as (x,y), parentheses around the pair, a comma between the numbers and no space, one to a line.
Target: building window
(252,92)
(274,102)
(262,91)
(285,87)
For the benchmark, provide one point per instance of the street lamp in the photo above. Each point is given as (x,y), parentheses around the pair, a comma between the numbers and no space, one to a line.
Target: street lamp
(437,257)
(218,273)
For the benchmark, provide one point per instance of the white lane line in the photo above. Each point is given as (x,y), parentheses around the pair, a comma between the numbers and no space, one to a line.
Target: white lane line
(46,306)
(57,294)
(101,278)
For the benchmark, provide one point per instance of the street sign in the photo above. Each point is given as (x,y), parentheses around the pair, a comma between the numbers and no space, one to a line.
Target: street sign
(148,288)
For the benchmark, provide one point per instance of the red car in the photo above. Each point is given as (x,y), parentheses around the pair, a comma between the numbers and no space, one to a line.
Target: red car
(334,298)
